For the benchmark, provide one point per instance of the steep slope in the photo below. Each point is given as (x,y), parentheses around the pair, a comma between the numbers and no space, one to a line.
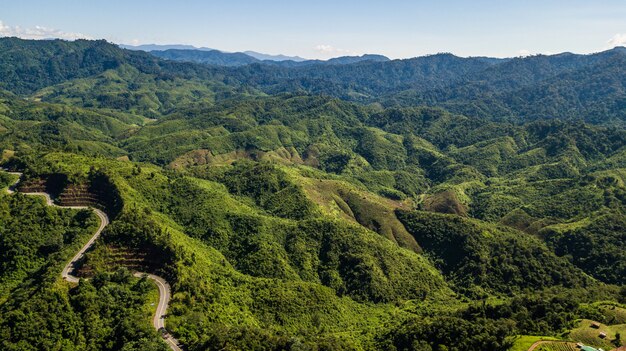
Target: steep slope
(270,267)
(474,254)
(296,221)
(28,65)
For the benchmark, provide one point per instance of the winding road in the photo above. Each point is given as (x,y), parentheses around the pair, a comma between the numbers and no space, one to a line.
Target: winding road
(158,320)
(104,220)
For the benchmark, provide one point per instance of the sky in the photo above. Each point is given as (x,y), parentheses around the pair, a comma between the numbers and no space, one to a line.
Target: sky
(323,28)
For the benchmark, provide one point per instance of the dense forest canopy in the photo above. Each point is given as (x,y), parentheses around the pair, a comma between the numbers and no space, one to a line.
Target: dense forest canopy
(434,203)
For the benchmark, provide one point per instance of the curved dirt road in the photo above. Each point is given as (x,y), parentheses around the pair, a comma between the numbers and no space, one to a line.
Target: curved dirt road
(164,288)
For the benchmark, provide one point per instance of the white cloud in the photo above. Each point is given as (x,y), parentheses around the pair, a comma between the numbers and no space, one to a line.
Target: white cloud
(329,50)
(324,48)
(523,53)
(617,40)
(38,32)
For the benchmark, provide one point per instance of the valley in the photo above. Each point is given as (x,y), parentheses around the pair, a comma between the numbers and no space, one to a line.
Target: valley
(435,203)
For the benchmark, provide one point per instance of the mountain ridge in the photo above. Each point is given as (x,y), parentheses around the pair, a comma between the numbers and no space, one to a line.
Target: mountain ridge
(163,47)
(472,86)
(435,203)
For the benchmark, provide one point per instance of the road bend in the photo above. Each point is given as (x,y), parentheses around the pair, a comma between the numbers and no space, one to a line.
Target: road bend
(158,321)
(164,288)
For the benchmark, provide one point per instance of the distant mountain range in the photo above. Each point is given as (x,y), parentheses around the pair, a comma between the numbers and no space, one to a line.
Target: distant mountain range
(568,86)
(189,53)
(211,57)
(153,47)
(219,58)
(257,55)
(267,57)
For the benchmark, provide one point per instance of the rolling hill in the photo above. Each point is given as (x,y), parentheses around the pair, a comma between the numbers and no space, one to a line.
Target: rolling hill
(436,203)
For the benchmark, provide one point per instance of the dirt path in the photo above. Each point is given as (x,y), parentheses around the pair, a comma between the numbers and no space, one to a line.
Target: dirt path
(164,288)
(537,343)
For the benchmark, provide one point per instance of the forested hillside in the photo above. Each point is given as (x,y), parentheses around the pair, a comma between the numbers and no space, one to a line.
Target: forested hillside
(436,203)
(529,88)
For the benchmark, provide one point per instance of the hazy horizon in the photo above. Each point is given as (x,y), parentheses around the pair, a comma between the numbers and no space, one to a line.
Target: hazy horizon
(396,29)
(366,53)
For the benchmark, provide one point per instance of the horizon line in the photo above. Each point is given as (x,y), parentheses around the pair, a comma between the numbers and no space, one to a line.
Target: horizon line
(194,47)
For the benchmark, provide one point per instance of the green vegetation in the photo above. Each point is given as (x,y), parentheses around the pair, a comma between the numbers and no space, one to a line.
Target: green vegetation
(524,342)
(127,89)
(285,220)
(589,335)
(613,314)
(593,246)
(110,312)
(33,236)
(474,254)
(557,346)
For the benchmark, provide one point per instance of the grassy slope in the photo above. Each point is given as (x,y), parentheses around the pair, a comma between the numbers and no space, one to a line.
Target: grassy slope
(213,295)
(210,293)
(524,342)
(590,336)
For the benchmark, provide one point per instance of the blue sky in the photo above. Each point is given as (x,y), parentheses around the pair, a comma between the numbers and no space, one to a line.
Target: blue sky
(323,29)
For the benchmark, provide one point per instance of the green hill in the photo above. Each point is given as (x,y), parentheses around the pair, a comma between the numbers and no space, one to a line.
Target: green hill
(437,203)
